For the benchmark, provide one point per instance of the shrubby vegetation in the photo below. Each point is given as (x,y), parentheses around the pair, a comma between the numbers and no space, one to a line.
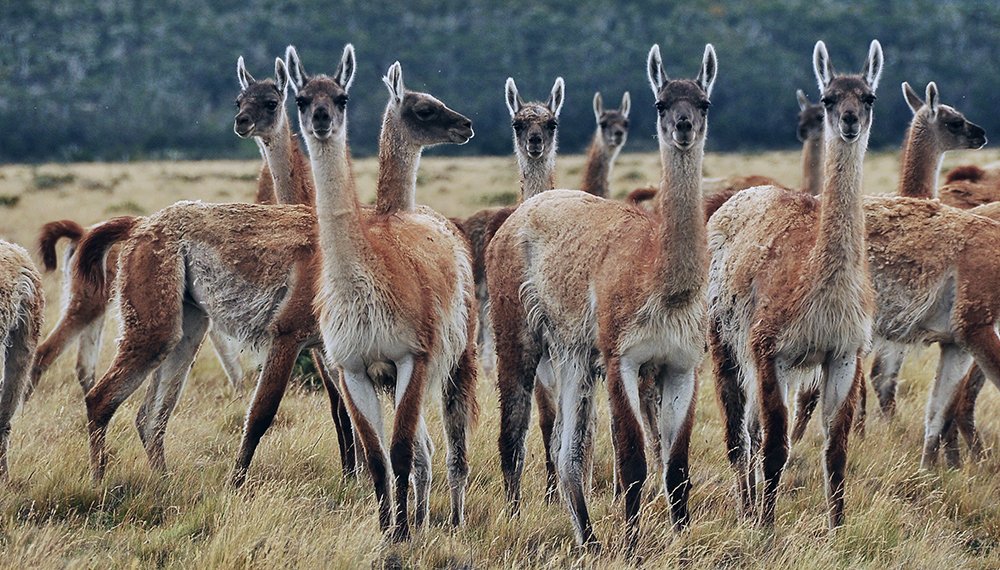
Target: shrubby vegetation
(131,79)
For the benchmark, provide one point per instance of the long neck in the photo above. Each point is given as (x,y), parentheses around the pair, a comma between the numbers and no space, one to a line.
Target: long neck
(398,161)
(921,160)
(812,165)
(537,174)
(342,239)
(840,245)
(285,161)
(683,262)
(597,171)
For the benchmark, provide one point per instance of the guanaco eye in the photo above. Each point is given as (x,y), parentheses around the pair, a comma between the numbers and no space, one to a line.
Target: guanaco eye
(868,99)
(703,107)
(828,101)
(661,107)
(625,124)
(302,101)
(517,125)
(342,101)
(271,105)
(424,113)
(237,103)
(955,125)
(552,124)
(604,124)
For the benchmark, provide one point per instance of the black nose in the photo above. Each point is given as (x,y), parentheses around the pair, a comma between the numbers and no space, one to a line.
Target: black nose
(684,125)
(242,120)
(977,132)
(321,114)
(467,124)
(849,118)
(535,139)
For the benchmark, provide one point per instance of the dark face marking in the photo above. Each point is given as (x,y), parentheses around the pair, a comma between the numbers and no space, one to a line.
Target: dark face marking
(848,101)
(257,109)
(535,128)
(614,128)
(810,122)
(956,132)
(322,105)
(430,122)
(682,113)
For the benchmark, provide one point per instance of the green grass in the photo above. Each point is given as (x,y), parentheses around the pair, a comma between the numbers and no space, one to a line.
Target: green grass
(298,511)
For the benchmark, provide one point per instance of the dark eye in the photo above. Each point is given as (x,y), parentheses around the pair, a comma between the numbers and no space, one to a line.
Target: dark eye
(955,126)
(868,99)
(518,125)
(828,101)
(625,124)
(424,113)
(342,101)
(604,124)
(271,105)
(302,101)
(661,107)
(552,124)
(237,103)
(704,106)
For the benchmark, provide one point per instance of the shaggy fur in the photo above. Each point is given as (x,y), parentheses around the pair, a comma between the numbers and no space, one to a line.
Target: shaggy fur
(612,132)
(572,313)
(22,304)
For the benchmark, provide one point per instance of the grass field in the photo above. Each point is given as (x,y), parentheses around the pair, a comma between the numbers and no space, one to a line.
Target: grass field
(297,510)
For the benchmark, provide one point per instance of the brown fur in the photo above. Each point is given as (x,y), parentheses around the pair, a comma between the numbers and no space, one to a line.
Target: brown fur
(51,233)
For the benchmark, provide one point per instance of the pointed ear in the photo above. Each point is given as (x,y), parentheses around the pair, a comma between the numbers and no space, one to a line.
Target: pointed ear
(242,74)
(281,76)
(802,99)
(821,66)
(932,99)
(912,99)
(709,69)
(394,81)
(345,71)
(296,72)
(873,65)
(514,102)
(626,104)
(598,106)
(555,101)
(654,69)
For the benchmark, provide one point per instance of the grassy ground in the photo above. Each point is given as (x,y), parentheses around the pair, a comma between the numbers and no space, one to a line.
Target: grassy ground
(298,511)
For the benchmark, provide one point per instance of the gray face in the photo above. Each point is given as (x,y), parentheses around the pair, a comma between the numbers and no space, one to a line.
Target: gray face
(322,104)
(682,109)
(258,108)
(955,132)
(428,121)
(535,128)
(848,100)
(810,122)
(614,128)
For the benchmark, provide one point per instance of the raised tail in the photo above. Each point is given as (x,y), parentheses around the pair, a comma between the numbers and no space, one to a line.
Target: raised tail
(640,195)
(969,172)
(50,235)
(92,249)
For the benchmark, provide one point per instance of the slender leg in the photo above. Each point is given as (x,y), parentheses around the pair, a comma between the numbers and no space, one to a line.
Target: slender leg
(341,419)
(772,385)
(227,349)
(270,390)
(733,401)
(677,400)
(423,451)
(545,388)
(71,325)
(459,411)
(166,387)
(885,373)
(575,394)
(805,404)
(16,352)
(965,413)
(487,346)
(844,377)
(411,380)
(366,415)
(952,366)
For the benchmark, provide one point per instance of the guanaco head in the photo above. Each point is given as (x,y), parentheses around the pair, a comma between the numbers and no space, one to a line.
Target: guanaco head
(949,127)
(810,118)
(682,104)
(535,124)
(848,99)
(424,120)
(260,106)
(613,123)
(322,99)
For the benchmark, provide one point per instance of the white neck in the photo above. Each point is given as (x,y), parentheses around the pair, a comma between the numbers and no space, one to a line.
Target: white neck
(537,174)
(398,162)
(840,247)
(683,237)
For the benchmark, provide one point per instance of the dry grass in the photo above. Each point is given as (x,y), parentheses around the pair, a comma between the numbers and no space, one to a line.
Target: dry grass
(297,511)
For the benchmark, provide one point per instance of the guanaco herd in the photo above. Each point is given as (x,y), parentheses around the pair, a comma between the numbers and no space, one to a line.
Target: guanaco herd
(787,289)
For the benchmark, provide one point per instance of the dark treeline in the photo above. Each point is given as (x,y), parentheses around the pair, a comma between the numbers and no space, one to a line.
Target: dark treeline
(129,79)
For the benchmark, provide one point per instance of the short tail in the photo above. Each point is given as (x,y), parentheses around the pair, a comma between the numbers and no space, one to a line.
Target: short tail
(969,172)
(640,195)
(50,235)
(90,254)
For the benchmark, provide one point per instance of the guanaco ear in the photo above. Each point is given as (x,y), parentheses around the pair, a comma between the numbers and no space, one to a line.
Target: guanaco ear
(654,69)
(802,99)
(821,66)
(598,106)
(626,104)
(709,69)
(242,74)
(296,72)
(514,102)
(873,65)
(281,77)
(932,99)
(394,81)
(345,71)
(555,101)
(912,99)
